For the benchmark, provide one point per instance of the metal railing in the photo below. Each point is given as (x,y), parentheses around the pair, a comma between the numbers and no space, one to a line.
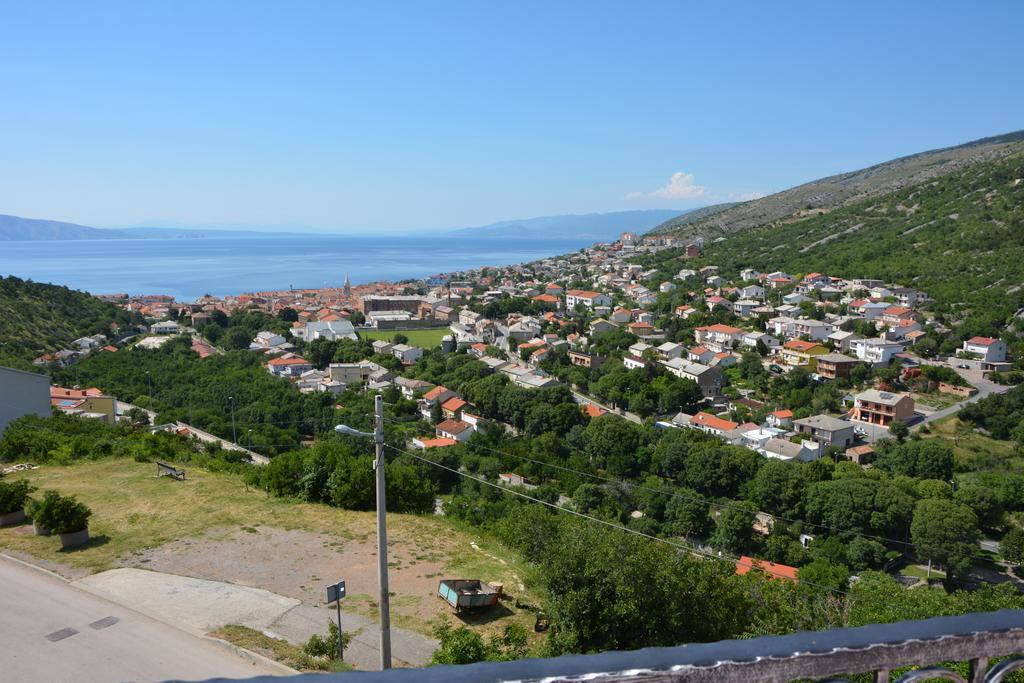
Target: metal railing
(878,650)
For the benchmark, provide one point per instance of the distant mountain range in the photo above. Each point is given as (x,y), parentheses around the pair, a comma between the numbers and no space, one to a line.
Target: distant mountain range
(593,227)
(18,229)
(597,227)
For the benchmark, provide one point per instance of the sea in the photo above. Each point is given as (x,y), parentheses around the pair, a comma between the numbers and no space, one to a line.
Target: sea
(188,268)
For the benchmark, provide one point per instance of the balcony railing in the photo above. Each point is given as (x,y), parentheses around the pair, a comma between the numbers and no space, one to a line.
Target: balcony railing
(879,650)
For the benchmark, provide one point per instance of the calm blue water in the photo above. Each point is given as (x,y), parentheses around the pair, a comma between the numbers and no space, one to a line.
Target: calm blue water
(189,268)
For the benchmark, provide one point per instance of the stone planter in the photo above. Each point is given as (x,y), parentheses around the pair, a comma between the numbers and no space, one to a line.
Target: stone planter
(12,518)
(40,529)
(75,538)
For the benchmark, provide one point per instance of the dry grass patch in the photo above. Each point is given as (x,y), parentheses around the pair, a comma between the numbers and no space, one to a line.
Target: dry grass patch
(213,526)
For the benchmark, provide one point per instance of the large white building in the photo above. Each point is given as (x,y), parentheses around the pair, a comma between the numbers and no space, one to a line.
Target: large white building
(22,393)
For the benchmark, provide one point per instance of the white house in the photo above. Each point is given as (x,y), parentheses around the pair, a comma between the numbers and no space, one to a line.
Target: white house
(407,354)
(164,327)
(266,340)
(743,307)
(331,330)
(587,298)
(719,337)
(991,350)
(876,350)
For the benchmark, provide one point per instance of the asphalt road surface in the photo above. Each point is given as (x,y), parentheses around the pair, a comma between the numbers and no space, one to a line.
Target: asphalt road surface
(53,631)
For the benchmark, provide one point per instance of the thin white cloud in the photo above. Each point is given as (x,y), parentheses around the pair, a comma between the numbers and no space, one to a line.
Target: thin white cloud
(680,186)
(683,186)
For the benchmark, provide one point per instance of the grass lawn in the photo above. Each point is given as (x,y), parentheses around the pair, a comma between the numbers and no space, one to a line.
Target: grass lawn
(134,510)
(936,400)
(920,571)
(426,339)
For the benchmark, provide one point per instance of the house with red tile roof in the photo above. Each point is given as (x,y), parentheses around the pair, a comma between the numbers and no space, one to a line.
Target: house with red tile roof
(453,407)
(771,570)
(454,429)
(719,337)
(712,424)
(990,350)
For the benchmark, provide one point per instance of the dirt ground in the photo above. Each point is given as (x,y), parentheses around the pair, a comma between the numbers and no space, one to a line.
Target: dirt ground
(300,564)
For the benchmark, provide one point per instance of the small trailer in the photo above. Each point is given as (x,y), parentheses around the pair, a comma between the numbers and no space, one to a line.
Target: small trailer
(467,593)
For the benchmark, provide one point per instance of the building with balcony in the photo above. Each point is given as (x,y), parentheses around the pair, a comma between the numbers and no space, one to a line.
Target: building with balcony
(835,366)
(881,407)
(826,430)
(799,353)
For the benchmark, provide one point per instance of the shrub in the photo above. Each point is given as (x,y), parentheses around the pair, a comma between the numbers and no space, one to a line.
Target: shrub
(39,509)
(326,645)
(65,515)
(13,495)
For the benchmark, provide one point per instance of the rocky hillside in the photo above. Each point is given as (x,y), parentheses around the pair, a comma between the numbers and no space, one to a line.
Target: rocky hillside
(829,194)
(958,237)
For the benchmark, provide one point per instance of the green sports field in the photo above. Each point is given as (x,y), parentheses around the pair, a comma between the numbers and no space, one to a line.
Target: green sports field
(426,339)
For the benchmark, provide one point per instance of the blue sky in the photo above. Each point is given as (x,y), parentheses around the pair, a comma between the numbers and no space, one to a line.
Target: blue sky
(375,116)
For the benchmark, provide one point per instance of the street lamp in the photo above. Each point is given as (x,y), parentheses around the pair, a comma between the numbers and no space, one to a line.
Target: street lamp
(382,526)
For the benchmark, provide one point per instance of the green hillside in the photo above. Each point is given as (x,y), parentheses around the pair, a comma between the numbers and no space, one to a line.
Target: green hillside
(38,318)
(958,237)
(844,189)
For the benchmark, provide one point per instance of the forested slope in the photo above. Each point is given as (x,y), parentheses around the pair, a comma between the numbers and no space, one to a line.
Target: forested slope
(36,318)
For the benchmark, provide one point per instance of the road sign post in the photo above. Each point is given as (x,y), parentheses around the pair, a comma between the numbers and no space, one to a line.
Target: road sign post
(334,594)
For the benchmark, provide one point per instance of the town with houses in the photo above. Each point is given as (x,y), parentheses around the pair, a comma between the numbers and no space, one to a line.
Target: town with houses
(546,324)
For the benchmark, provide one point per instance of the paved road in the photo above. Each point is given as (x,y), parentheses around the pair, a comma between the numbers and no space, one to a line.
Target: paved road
(583,399)
(984,386)
(53,631)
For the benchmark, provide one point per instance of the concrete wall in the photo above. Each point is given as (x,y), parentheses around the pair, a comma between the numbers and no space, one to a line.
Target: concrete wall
(22,393)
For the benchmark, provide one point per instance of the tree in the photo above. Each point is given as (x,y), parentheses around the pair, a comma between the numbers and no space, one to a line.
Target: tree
(945,532)
(236,338)
(824,574)
(734,529)
(613,444)
(687,514)
(288,314)
(779,488)
(899,429)
(983,501)
(637,593)
(1012,546)
(137,417)
(400,338)
(921,459)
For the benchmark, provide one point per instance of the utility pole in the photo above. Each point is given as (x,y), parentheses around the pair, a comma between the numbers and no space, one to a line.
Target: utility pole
(234,436)
(382,526)
(382,537)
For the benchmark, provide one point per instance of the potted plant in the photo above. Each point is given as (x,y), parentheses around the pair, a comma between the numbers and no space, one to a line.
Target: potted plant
(40,512)
(12,501)
(70,519)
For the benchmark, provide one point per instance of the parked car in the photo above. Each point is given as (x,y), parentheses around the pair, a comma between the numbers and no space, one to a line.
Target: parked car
(964,366)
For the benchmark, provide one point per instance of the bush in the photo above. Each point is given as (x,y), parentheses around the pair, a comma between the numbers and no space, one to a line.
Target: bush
(326,645)
(63,514)
(13,495)
(40,509)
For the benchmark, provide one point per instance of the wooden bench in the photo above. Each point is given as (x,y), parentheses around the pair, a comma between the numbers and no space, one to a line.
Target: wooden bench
(165,470)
